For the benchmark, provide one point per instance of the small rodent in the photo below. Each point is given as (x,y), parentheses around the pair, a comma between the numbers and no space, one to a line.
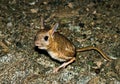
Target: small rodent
(59,47)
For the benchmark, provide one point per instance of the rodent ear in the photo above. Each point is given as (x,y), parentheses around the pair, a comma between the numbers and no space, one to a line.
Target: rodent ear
(54,29)
(42,23)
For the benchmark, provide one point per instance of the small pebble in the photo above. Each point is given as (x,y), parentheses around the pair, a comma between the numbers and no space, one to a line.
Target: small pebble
(9,24)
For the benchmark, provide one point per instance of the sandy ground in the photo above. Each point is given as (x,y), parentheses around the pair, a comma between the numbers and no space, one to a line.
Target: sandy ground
(83,22)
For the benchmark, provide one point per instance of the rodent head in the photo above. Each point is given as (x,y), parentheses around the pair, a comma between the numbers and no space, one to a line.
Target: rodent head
(44,37)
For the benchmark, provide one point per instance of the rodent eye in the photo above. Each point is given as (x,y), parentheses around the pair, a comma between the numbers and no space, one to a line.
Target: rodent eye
(46,38)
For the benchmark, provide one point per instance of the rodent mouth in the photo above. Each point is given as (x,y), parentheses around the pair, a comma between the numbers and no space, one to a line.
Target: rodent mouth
(38,46)
(41,47)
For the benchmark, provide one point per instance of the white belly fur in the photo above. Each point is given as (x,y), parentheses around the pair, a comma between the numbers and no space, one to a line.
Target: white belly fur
(55,56)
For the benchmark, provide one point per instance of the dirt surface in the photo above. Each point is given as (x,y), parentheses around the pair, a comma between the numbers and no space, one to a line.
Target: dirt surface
(84,22)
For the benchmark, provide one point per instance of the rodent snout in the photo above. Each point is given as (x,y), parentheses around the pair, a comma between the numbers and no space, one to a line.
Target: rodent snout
(37,43)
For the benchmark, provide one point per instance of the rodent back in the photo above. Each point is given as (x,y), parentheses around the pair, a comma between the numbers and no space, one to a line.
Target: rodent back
(63,44)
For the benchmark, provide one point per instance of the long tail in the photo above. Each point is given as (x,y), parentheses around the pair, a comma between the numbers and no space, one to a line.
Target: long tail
(94,48)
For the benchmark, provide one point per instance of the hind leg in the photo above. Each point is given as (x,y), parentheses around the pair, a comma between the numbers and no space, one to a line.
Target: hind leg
(64,65)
